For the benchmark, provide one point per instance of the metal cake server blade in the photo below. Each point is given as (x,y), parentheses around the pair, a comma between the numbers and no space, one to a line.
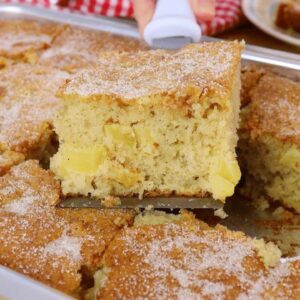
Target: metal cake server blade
(154,202)
(171,43)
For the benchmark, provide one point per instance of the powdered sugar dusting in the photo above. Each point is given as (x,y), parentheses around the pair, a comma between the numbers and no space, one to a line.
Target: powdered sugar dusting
(28,106)
(207,66)
(278,99)
(186,258)
(178,261)
(75,48)
(21,191)
(22,205)
(65,246)
(272,280)
(214,289)
(12,40)
(19,36)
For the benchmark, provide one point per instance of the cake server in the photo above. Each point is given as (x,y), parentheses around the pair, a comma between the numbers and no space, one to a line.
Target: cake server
(173,25)
(148,202)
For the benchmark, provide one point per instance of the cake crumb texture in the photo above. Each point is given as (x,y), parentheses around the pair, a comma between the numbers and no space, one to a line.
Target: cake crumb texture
(269,144)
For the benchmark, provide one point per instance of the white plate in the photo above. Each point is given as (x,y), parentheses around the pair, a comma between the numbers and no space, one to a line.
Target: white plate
(262,14)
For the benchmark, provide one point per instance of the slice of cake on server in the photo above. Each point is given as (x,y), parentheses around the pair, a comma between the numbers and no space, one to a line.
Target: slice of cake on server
(152,123)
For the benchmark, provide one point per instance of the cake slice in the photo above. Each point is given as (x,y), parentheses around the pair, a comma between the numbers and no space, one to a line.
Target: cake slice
(75,48)
(269,144)
(179,257)
(24,40)
(59,247)
(152,123)
(27,107)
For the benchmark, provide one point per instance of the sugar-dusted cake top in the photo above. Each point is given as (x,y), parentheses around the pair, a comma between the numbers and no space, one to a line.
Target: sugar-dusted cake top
(274,109)
(27,104)
(18,36)
(210,67)
(187,261)
(75,48)
(47,243)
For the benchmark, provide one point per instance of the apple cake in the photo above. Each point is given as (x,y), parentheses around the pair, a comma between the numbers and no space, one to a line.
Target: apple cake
(187,259)
(75,48)
(269,144)
(24,40)
(152,123)
(59,247)
(131,256)
(27,107)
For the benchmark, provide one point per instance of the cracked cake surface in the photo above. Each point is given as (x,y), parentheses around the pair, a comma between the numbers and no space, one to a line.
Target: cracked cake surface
(186,259)
(57,246)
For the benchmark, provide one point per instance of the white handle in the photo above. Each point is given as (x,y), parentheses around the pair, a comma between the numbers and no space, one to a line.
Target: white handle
(173,8)
(172,18)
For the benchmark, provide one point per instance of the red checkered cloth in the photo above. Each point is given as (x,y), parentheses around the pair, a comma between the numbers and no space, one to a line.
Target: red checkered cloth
(228,12)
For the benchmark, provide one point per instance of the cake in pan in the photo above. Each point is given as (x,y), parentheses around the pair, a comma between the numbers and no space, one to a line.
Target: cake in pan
(27,107)
(152,123)
(76,48)
(59,247)
(23,40)
(269,144)
(131,256)
(186,259)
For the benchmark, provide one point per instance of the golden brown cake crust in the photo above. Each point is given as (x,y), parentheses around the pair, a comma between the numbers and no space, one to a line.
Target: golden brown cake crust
(190,261)
(250,76)
(76,48)
(56,245)
(27,106)
(19,38)
(274,109)
(23,249)
(50,244)
(208,68)
(9,159)
(22,186)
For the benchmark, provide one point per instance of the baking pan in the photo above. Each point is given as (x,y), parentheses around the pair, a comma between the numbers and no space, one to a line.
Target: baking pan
(242,216)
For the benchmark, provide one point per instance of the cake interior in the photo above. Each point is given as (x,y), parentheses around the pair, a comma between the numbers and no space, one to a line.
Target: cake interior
(272,167)
(108,147)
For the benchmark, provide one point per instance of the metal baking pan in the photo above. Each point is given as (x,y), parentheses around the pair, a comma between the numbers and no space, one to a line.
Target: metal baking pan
(242,216)
(129,29)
